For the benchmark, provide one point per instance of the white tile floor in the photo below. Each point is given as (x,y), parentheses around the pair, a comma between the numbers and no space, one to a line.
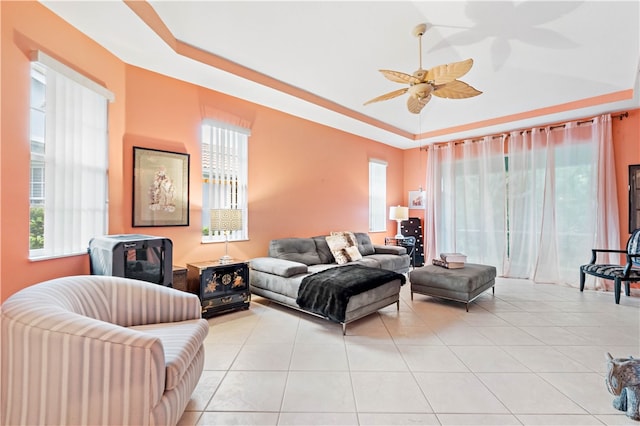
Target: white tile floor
(532,354)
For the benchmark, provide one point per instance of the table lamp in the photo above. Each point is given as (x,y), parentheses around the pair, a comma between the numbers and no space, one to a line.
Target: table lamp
(226,220)
(398,214)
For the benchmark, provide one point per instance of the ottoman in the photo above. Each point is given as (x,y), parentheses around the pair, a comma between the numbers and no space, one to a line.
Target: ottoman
(463,284)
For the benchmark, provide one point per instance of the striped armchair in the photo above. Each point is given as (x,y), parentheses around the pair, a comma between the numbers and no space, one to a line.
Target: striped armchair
(98,349)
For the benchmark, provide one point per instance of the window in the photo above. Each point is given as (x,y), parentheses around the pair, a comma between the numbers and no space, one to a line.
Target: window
(224,175)
(533,214)
(377,196)
(68,182)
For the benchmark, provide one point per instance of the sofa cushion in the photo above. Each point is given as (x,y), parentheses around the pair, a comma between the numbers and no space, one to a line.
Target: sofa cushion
(391,262)
(365,246)
(281,267)
(301,250)
(181,342)
(369,261)
(395,250)
(344,247)
(324,252)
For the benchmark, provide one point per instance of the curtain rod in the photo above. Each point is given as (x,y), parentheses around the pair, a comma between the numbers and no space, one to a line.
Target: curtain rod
(620,116)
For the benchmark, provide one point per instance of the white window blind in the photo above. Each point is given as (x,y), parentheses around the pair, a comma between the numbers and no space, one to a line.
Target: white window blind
(224,175)
(377,195)
(68,186)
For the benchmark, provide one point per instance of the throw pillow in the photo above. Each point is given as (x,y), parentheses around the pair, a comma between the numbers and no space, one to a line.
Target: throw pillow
(343,247)
(350,237)
(352,248)
(353,253)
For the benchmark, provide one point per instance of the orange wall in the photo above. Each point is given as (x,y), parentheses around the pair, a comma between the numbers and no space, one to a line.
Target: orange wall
(304,178)
(415,170)
(626,145)
(28,26)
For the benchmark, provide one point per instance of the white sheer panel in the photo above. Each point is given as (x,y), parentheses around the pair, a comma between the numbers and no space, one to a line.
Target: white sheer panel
(440,231)
(480,201)
(377,196)
(607,229)
(527,163)
(467,201)
(225,173)
(75,163)
(562,200)
(540,218)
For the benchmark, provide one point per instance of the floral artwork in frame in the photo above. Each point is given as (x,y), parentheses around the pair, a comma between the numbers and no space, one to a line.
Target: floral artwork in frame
(160,188)
(417,199)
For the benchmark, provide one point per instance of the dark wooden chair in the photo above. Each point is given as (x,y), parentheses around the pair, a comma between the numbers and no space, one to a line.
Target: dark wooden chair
(627,273)
(410,244)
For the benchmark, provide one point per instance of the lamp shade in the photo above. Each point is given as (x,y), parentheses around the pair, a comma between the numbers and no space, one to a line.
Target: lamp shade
(398,213)
(226,219)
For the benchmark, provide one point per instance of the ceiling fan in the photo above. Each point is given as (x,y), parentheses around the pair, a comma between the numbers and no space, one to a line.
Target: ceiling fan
(441,81)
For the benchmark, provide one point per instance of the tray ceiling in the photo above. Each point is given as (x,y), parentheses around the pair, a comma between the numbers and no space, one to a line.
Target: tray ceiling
(535,62)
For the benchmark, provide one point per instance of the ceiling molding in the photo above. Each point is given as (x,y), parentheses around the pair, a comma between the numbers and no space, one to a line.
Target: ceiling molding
(149,16)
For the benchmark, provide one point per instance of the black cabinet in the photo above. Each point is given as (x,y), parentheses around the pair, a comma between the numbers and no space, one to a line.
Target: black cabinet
(413,228)
(221,287)
(634,197)
(179,278)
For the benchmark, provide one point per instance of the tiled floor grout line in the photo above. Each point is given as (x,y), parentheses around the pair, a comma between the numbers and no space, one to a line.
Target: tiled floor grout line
(516,309)
(474,375)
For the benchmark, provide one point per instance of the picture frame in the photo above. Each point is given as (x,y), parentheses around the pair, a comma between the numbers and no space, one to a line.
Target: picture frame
(160,188)
(417,199)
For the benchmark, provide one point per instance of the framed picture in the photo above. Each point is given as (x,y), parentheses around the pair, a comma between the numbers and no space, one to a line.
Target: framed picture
(417,199)
(160,188)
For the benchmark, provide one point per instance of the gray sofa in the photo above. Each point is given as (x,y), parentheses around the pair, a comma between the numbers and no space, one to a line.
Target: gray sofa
(278,276)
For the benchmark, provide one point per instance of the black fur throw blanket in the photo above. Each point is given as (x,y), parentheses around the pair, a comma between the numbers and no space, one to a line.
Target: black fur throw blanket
(327,292)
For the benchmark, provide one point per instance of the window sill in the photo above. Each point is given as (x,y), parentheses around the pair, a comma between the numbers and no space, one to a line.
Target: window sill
(55,256)
(222,241)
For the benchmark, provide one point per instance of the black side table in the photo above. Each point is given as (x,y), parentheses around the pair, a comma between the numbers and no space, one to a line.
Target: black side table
(407,242)
(221,287)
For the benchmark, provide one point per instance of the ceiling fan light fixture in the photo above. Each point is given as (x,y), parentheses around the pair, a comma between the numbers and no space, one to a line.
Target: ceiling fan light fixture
(423,83)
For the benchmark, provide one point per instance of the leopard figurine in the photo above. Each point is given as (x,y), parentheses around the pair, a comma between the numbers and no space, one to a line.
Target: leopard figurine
(623,380)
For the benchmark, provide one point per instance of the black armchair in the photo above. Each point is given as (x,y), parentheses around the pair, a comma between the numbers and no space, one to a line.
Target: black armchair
(627,273)
(410,244)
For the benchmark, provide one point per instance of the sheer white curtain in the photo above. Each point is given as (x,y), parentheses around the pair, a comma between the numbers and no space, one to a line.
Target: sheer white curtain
(466,210)
(439,227)
(526,163)
(538,217)
(562,200)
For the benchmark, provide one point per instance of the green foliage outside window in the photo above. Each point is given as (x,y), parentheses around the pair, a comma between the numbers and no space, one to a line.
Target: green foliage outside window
(36,228)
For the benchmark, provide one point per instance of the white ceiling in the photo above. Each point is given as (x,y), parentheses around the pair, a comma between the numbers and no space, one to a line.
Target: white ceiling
(527,56)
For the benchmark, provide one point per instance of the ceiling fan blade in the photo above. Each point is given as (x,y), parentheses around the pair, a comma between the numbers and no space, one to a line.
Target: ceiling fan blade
(456,90)
(399,77)
(387,96)
(415,105)
(442,74)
